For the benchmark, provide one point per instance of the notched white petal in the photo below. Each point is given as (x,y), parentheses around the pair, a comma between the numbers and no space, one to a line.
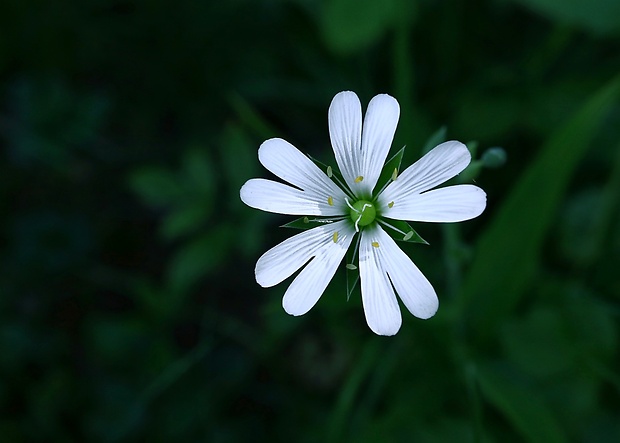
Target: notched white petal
(438,166)
(290,164)
(284,259)
(378,131)
(450,204)
(380,304)
(309,285)
(411,285)
(345,132)
(279,198)
(384,269)
(314,248)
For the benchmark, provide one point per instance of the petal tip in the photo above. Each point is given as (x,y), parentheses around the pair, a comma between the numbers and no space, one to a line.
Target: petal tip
(386,330)
(290,309)
(427,312)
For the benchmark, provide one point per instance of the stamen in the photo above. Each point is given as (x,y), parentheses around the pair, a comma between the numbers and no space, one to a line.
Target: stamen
(335,237)
(306,220)
(357,228)
(390,205)
(329,172)
(359,179)
(375,244)
(383,222)
(408,235)
(394,174)
(350,205)
(330,200)
(351,266)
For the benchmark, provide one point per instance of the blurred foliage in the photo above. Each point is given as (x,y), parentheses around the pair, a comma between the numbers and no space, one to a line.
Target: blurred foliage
(128,306)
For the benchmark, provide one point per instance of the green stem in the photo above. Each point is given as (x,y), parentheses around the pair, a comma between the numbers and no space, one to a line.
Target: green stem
(349,392)
(452,260)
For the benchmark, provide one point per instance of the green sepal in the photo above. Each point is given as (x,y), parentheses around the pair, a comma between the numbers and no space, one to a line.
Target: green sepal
(309,222)
(389,167)
(400,230)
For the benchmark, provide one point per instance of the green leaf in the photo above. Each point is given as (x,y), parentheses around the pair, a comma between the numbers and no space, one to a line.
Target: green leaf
(599,16)
(198,172)
(238,155)
(436,138)
(185,220)
(520,404)
(250,118)
(539,343)
(509,251)
(391,169)
(351,25)
(198,258)
(308,223)
(402,231)
(591,325)
(156,186)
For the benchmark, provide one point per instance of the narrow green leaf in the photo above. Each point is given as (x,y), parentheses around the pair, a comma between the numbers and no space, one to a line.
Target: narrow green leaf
(600,16)
(436,138)
(346,402)
(520,404)
(508,252)
(250,117)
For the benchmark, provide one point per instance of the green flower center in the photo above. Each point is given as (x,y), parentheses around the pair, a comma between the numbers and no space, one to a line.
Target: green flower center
(363,213)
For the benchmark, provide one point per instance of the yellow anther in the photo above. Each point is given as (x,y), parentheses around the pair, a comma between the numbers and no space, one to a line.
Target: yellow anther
(351,266)
(394,174)
(408,235)
(359,179)
(329,172)
(375,244)
(390,204)
(335,237)
(306,220)
(330,200)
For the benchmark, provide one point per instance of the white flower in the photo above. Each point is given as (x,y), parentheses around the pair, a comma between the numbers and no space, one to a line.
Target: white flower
(355,207)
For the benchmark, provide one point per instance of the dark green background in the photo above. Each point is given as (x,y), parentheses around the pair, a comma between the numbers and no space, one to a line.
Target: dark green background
(128,305)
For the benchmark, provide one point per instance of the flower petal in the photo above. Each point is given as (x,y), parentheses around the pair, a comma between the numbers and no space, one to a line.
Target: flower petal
(309,285)
(439,165)
(380,304)
(412,287)
(345,132)
(290,164)
(271,196)
(284,259)
(450,204)
(378,131)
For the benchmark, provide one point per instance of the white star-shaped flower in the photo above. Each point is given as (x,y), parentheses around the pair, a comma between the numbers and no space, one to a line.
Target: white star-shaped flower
(351,205)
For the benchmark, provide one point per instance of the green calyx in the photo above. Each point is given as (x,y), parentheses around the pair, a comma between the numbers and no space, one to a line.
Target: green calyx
(363,213)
